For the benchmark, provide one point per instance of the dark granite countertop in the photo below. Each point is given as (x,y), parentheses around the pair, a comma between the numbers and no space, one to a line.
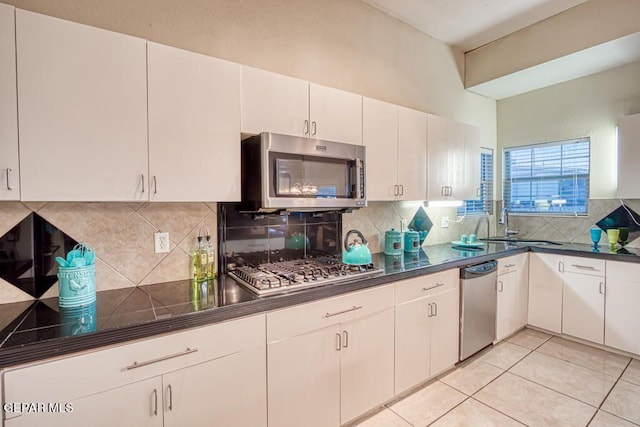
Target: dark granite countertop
(37,330)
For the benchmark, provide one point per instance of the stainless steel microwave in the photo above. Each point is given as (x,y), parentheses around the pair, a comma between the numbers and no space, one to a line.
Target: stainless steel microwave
(283,172)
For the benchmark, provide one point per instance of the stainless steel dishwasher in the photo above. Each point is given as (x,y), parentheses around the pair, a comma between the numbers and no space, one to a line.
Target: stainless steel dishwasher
(477,307)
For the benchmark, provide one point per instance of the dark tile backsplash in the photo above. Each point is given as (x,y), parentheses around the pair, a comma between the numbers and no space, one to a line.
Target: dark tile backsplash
(266,238)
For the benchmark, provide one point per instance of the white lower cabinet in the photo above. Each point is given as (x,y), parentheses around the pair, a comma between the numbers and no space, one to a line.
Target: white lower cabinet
(622,317)
(189,378)
(330,361)
(426,327)
(545,291)
(513,295)
(583,306)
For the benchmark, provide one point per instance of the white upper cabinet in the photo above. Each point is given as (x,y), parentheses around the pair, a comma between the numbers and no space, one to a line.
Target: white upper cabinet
(194,126)
(453,153)
(82,95)
(396,141)
(274,103)
(412,154)
(9,165)
(335,115)
(380,136)
(628,157)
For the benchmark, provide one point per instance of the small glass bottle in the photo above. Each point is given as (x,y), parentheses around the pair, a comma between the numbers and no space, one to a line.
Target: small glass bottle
(211,258)
(199,261)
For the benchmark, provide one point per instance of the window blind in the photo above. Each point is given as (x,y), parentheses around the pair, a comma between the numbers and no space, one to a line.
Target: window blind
(484,204)
(550,178)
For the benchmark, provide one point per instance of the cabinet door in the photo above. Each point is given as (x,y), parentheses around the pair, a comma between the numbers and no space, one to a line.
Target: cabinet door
(9,165)
(194,126)
(366,369)
(335,115)
(134,405)
(210,393)
(622,320)
(628,155)
(445,154)
(412,154)
(508,305)
(304,379)
(545,291)
(412,343)
(380,136)
(274,103)
(83,111)
(456,161)
(445,331)
(472,163)
(583,307)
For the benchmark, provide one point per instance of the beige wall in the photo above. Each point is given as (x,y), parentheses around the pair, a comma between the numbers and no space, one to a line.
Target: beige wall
(345,44)
(589,106)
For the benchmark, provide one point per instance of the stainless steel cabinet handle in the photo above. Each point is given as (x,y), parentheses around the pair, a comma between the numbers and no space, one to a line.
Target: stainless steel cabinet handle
(444,191)
(160,359)
(338,342)
(402,189)
(395,190)
(501,287)
(170,397)
(561,266)
(355,307)
(346,339)
(313,128)
(430,312)
(155,185)
(437,285)
(435,306)
(306,127)
(586,267)
(602,288)
(142,176)
(8,186)
(509,265)
(155,401)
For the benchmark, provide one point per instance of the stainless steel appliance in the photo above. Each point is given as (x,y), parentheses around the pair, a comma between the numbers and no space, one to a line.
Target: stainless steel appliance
(283,276)
(478,301)
(282,172)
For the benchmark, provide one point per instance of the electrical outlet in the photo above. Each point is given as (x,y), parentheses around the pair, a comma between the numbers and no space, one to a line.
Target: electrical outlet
(161,240)
(445,222)
(404,225)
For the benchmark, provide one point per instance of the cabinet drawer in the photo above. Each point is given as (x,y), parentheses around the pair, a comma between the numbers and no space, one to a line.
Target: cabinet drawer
(590,266)
(512,263)
(420,287)
(69,378)
(303,318)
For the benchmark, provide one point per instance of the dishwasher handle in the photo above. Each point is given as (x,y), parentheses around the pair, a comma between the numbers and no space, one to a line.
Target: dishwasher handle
(478,270)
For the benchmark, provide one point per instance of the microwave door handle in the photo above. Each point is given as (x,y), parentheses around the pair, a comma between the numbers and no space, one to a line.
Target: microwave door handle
(359,177)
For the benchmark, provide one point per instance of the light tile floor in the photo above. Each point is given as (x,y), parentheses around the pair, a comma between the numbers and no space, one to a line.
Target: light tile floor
(530,379)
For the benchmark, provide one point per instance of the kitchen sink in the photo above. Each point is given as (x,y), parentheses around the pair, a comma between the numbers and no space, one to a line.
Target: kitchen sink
(517,241)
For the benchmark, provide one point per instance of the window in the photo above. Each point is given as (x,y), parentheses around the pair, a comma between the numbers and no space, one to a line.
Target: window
(551,178)
(484,204)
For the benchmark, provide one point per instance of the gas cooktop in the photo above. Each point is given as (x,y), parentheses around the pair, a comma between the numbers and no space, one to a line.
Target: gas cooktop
(283,276)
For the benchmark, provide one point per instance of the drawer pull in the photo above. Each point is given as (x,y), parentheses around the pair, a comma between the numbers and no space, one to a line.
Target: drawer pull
(160,359)
(155,399)
(338,342)
(509,265)
(437,285)
(587,267)
(354,308)
(170,397)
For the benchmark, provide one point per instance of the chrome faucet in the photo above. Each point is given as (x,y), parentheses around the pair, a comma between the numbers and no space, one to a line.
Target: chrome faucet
(504,220)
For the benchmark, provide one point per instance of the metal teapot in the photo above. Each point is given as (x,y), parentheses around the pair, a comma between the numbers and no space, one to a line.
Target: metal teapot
(357,252)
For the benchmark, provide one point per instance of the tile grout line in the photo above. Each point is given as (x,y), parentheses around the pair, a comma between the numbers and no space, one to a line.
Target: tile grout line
(610,391)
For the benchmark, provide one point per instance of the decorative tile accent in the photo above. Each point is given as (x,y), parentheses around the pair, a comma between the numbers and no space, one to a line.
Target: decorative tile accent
(421,223)
(622,217)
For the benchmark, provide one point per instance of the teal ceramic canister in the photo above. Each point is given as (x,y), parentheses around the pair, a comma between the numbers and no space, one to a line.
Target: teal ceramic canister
(411,241)
(392,242)
(76,286)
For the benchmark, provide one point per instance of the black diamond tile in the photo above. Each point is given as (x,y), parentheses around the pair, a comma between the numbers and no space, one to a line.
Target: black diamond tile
(28,254)
(421,223)
(623,217)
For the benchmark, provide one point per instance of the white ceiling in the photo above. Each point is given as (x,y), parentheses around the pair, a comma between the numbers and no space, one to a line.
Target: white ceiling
(469,24)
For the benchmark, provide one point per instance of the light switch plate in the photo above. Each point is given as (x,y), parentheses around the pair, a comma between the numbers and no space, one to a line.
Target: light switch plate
(161,242)
(404,225)
(445,222)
